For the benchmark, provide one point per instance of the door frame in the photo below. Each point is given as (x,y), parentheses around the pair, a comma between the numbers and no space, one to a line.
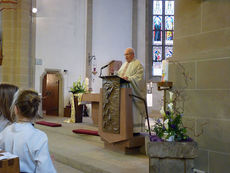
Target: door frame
(58,72)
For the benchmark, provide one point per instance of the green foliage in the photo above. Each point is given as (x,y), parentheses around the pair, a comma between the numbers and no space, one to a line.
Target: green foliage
(78,87)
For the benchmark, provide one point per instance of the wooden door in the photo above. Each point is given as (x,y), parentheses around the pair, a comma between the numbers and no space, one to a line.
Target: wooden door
(50,93)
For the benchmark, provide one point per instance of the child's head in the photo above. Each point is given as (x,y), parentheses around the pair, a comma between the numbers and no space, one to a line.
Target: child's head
(7,92)
(27,103)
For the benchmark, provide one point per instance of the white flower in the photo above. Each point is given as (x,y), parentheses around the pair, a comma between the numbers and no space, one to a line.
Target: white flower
(171,96)
(162,112)
(166,124)
(165,135)
(170,106)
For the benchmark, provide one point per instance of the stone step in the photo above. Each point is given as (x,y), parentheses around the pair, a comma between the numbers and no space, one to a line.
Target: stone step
(62,168)
(87,154)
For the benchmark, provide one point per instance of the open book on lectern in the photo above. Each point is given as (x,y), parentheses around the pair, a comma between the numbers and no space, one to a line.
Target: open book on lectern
(115,76)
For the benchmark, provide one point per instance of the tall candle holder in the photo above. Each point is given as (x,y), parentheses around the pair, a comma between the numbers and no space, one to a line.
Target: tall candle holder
(164,86)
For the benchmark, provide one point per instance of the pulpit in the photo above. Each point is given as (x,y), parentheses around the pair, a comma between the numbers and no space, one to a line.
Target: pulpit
(115,120)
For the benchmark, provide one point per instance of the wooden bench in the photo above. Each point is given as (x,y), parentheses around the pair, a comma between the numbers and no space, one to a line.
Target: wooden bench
(9,165)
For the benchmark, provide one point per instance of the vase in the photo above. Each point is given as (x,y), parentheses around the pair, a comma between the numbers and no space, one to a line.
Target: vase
(171,157)
(78,110)
(170,139)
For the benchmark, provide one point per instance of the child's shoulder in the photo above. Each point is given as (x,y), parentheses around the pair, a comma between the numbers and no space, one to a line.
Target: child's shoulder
(40,133)
(29,130)
(37,139)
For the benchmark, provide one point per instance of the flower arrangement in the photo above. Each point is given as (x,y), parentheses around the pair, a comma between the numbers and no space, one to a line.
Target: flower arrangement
(78,87)
(170,128)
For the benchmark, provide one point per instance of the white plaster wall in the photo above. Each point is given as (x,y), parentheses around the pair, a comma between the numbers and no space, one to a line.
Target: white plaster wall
(112,33)
(60,39)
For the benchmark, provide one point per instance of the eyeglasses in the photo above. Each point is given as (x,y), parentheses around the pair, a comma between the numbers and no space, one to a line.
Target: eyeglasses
(128,54)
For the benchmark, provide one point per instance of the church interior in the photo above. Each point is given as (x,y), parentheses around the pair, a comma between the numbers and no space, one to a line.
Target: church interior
(47,45)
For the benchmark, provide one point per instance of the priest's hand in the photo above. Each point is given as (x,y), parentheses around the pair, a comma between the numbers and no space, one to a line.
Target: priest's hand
(126,78)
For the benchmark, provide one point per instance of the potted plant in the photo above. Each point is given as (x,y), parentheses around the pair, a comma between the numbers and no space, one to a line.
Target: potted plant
(78,89)
(170,149)
(171,128)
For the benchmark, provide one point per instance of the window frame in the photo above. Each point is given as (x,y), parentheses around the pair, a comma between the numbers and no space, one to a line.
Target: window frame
(163,45)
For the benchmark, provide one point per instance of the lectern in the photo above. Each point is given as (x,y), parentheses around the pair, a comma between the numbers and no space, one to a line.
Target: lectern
(115,119)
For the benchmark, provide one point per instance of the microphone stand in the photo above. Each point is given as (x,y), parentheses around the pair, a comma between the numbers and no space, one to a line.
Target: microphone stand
(105,67)
(102,68)
(100,72)
(146,110)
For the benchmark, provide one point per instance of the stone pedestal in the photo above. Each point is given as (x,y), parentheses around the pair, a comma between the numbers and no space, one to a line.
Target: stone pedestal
(173,157)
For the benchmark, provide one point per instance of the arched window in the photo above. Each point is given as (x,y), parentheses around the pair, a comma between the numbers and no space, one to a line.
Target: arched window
(162,32)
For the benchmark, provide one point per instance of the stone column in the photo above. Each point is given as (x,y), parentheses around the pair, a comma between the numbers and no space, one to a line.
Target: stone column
(16,32)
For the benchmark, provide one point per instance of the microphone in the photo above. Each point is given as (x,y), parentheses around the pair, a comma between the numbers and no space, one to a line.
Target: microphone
(106,66)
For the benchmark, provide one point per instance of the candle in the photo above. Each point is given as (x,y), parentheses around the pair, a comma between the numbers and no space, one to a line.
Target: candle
(164,71)
(87,84)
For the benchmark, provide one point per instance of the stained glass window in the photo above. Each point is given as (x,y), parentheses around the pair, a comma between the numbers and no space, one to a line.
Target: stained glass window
(169,21)
(168,51)
(169,7)
(157,54)
(163,32)
(157,30)
(157,7)
(168,37)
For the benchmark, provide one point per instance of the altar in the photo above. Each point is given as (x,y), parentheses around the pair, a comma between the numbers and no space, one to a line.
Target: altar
(93,99)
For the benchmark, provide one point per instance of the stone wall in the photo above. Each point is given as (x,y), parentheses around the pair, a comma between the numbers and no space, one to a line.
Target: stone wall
(202,46)
(16,33)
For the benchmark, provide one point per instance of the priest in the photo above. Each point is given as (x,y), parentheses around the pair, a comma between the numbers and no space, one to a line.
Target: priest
(133,71)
